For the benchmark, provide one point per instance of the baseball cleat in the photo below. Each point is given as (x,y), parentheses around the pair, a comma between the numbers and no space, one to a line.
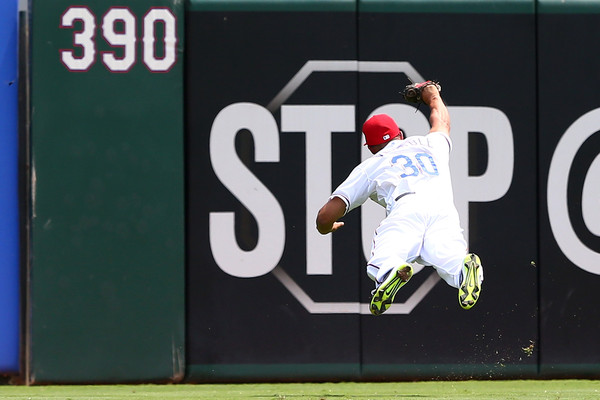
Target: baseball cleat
(471,278)
(383,296)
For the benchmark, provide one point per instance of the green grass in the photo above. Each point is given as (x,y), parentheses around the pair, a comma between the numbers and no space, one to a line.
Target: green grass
(463,390)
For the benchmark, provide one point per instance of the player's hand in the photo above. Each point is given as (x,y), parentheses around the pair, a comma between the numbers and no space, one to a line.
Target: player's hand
(421,92)
(429,93)
(336,226)
(328,215)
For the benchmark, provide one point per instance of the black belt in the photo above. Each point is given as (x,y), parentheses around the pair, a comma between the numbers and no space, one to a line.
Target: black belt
(402,195)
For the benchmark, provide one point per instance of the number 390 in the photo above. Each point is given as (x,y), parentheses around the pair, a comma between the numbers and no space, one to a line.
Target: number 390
(123,37)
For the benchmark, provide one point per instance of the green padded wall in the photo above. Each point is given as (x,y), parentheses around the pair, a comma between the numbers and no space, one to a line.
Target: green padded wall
(568,7)
(448,6)
(272,5)
(106,291)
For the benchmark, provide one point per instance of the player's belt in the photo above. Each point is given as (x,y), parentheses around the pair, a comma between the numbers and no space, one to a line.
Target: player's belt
(402,195)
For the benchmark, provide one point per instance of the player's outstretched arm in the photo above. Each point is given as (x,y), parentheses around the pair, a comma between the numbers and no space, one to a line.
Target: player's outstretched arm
(439,116)
(334,209)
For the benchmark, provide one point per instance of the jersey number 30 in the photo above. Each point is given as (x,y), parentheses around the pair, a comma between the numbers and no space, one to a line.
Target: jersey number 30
(422,163)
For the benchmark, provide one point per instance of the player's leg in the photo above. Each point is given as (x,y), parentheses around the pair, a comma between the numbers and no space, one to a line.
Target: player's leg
(444,247)
(446,257)
(394,241)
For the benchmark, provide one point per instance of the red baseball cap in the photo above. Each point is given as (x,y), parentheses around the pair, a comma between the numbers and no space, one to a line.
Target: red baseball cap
(379,129)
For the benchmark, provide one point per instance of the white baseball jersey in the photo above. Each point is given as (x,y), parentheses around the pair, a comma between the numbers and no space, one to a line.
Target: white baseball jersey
(411,179)
(418,164)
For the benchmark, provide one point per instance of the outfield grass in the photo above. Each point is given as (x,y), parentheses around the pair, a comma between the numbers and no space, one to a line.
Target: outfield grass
(463,390)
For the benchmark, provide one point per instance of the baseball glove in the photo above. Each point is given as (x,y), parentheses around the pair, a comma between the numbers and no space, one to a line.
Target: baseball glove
(412,93)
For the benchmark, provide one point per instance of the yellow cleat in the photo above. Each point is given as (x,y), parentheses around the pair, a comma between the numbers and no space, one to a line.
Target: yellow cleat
(471,279)
(383,296)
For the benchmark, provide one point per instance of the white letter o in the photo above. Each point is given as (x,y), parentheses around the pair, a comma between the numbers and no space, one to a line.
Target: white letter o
(558,179)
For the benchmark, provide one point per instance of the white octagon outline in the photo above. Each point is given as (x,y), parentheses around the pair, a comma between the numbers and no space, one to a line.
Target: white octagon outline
(303,298)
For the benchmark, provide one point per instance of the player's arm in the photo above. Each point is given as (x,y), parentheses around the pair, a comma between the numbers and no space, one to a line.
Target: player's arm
(328,215)
(439,116)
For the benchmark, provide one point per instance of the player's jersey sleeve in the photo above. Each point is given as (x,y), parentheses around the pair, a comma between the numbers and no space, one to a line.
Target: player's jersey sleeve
(439,141)
(355,190)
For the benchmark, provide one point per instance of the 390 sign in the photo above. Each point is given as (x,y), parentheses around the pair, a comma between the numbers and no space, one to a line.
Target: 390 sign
(119,31)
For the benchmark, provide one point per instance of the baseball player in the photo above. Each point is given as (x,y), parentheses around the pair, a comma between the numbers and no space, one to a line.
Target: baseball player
(410,177)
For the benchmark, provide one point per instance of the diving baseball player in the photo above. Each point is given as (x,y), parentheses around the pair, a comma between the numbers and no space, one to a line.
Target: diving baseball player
(410,177)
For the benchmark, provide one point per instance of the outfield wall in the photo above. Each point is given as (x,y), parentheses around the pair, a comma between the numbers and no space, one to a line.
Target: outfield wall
(106,276)
(296,84)
(173,235)
(569,176)
(299,90)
